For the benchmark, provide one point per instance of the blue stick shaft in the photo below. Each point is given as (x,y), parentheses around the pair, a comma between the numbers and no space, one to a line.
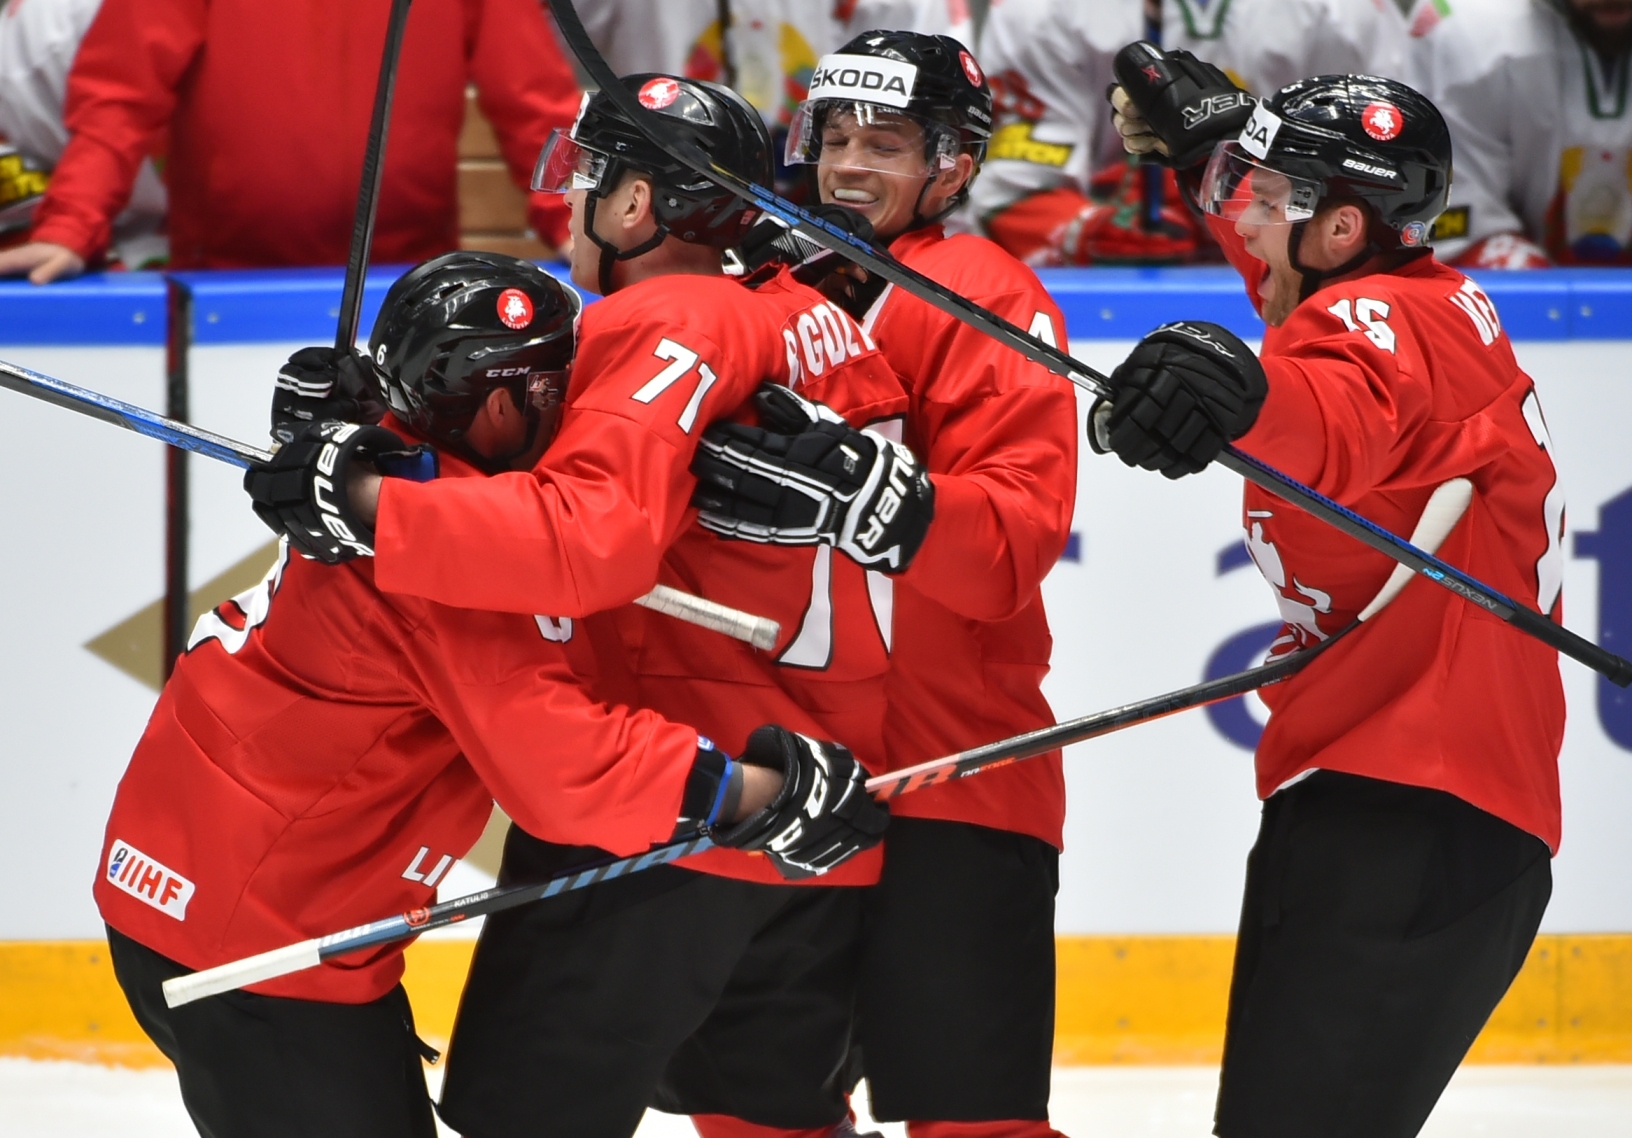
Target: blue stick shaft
(128,416)
(656,128)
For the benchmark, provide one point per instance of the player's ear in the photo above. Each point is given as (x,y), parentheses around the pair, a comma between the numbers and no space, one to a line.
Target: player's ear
(500,406)
(638,207)
(1347,230)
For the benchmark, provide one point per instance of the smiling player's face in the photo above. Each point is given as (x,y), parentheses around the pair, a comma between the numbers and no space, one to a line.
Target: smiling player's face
(879,168)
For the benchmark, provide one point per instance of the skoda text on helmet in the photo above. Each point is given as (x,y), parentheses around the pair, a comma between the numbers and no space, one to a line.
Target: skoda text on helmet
(930,81)
(604,145)
(1336,137)
(456,327)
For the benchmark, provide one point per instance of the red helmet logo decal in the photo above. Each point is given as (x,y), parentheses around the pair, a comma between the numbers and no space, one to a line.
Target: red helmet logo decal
(971,69)
(1382,121)
(659,93)
(515,309)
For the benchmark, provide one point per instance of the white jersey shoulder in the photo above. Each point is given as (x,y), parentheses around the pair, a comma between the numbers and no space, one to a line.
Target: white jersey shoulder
(771,46)
(1541,129)
(932,17)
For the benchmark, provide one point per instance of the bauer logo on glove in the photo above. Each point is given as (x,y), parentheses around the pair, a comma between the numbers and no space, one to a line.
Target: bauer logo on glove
(807,477)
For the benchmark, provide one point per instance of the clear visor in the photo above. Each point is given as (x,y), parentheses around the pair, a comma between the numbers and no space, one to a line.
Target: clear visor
(563,165)
(1239,189)
(867,136)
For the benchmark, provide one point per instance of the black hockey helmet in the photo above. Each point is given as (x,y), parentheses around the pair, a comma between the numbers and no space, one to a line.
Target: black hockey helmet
(604,144)
(1360,137)
(931,79)
(457,326)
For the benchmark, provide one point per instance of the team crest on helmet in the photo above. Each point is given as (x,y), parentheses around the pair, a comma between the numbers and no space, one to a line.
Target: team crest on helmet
(659,93)
(971,69)
(515,309)
(1382,121)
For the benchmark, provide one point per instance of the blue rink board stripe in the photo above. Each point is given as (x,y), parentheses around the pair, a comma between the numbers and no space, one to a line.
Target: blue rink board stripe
(300,305)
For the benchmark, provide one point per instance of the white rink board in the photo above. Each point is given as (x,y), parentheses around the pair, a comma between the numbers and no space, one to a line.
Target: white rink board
(1160,817)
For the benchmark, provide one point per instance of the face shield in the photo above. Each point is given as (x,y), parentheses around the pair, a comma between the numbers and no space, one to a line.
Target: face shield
(867,136)
(1239,189)
(564,165)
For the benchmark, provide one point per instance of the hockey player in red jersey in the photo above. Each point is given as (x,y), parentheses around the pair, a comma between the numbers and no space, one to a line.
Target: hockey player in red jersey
(1410,775)
(719,947)
(896,127)
(325,752)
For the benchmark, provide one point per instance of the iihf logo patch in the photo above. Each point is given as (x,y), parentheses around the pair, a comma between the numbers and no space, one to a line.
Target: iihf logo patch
(515,309)
(971,69)
(149,881)
(1382,121)
(659,93)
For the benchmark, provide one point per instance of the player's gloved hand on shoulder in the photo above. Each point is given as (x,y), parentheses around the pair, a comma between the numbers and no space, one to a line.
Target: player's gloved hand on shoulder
(306,491)
(823,814)
(324,383)
(807,477)
(1172,106)
(1184,391)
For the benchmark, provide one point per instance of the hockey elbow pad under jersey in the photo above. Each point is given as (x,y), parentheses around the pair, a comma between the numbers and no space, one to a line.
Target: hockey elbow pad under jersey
(1183,392)
(1171,97)
(302,493)
(823,814)
(808,477)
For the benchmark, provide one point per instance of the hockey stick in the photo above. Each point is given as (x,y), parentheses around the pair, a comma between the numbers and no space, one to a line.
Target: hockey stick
(759,631)
(368,190)
(655,127)
(1444,508)
(310,953)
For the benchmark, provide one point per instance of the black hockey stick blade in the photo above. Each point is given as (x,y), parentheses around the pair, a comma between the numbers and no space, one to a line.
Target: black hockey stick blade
(657,129)
(368,190)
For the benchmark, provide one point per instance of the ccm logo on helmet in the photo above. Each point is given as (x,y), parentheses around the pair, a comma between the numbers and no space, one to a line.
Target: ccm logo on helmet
(863,78)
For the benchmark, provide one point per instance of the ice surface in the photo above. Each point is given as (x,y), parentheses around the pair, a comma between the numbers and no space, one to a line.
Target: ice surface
(72,1100)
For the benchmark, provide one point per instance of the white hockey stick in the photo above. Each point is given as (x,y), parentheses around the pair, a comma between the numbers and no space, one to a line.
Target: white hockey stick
(759,631)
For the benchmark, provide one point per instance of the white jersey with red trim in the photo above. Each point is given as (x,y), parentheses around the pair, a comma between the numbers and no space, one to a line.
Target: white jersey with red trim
(1050,65)
(768,57)
(1541,132)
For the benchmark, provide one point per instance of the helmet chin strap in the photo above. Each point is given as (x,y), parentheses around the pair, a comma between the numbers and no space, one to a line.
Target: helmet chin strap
(499,463)
(610,253)
(1314,279)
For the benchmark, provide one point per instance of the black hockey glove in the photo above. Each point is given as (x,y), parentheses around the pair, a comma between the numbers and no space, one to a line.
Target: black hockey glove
(808,477)
(1182,393)
(823,814)
(324,383)
(302,492)
(1174,107)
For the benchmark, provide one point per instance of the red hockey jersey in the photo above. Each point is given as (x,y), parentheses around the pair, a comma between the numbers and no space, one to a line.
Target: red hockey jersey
(999,433)
(1380,389)
(267,107)
(324,753)
(606,515)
